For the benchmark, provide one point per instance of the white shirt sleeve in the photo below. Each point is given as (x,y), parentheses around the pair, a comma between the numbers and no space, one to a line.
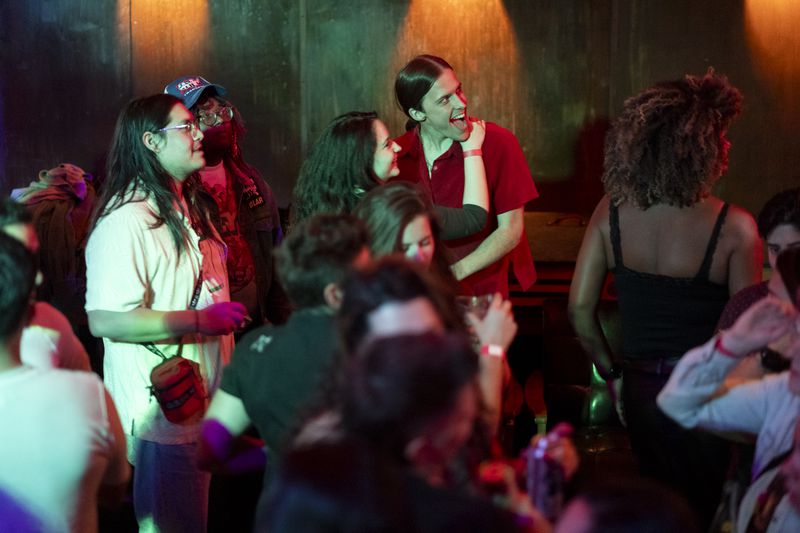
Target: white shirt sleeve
(116,266)
(689,395)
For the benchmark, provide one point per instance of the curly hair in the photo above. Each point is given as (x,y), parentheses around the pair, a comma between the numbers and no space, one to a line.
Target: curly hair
(320,251)
(339,169)
(669,144)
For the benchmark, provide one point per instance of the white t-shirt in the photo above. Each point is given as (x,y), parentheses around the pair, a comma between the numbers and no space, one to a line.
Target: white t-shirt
(129,265)
(49,342)
(61,439)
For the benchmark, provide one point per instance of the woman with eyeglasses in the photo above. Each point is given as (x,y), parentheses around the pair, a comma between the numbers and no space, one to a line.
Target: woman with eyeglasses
(157,287)
(244,208)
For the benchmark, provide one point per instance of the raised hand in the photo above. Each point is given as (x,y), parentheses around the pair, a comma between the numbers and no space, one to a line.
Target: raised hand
(765,321)
(476,136)
(221,318)
(498,326)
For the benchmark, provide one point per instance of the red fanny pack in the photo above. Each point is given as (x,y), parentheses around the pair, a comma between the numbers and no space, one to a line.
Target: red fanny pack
(177,385)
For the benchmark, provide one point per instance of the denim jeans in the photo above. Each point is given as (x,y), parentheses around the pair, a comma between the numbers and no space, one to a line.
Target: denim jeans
(170,495)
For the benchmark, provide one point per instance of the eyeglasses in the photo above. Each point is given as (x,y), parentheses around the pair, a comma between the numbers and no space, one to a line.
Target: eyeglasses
(191,127)
(212,118)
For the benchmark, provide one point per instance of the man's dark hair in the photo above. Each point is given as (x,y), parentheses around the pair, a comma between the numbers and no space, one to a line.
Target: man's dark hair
(396,386)
(389,279)
(783,208)
(12,212)
(339,169)
(318,252)
(17,279)
(668,146)
(415,80)
(133,168)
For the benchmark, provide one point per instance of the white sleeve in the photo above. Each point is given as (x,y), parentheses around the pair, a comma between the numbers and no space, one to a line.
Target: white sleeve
(116,266)
(689,395)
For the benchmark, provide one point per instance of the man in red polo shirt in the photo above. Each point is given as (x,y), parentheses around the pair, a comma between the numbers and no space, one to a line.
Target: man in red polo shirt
(431,155)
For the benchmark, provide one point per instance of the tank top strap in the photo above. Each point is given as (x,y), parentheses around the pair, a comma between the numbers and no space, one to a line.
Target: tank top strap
(616,243)
(705,268)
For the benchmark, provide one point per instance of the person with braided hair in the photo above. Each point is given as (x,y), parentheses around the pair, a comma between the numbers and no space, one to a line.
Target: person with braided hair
(677,253)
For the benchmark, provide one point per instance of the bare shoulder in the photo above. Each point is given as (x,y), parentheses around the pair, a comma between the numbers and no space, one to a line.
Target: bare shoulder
(740,224)
(599,220)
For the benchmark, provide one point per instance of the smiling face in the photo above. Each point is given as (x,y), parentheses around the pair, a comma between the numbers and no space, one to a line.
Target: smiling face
(384,163)
(417,241)
(178,150)
(444,109)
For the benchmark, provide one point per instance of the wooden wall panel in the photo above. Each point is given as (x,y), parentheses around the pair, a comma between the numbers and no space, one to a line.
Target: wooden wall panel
(552,71)
(657,41)
(63,78)
(254,53)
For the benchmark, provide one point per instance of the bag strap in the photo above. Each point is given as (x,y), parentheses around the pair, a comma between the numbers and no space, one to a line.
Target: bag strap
(768,500)
(774,462)
(198,285)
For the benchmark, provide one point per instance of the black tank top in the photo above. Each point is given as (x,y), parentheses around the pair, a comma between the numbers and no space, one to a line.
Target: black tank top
(662,316)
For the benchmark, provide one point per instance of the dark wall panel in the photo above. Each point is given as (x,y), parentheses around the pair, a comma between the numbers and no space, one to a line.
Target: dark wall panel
(64,75)
(552,71)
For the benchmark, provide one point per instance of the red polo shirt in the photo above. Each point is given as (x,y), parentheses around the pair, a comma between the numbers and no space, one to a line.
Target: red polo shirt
(510,187)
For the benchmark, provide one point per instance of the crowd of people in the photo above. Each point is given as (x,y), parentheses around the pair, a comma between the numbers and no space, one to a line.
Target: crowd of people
(334,357)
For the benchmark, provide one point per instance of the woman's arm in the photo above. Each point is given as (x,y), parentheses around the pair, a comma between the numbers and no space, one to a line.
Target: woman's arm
(495,330)
(222,448)
(458,222)
(584,293)
(476,191)
(692,396)
(746,260)
(142,325)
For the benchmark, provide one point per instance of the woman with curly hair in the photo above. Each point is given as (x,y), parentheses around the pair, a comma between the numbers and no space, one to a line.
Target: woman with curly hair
(677,253)
(356,154)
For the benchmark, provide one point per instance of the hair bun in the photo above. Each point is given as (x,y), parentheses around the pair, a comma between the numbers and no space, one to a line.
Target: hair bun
(716,93)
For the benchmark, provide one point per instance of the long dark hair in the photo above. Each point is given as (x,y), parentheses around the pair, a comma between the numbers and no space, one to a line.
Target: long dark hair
(388,209)
(339,169)
(396,386)
(415,80)
(134,169)
(668,145)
